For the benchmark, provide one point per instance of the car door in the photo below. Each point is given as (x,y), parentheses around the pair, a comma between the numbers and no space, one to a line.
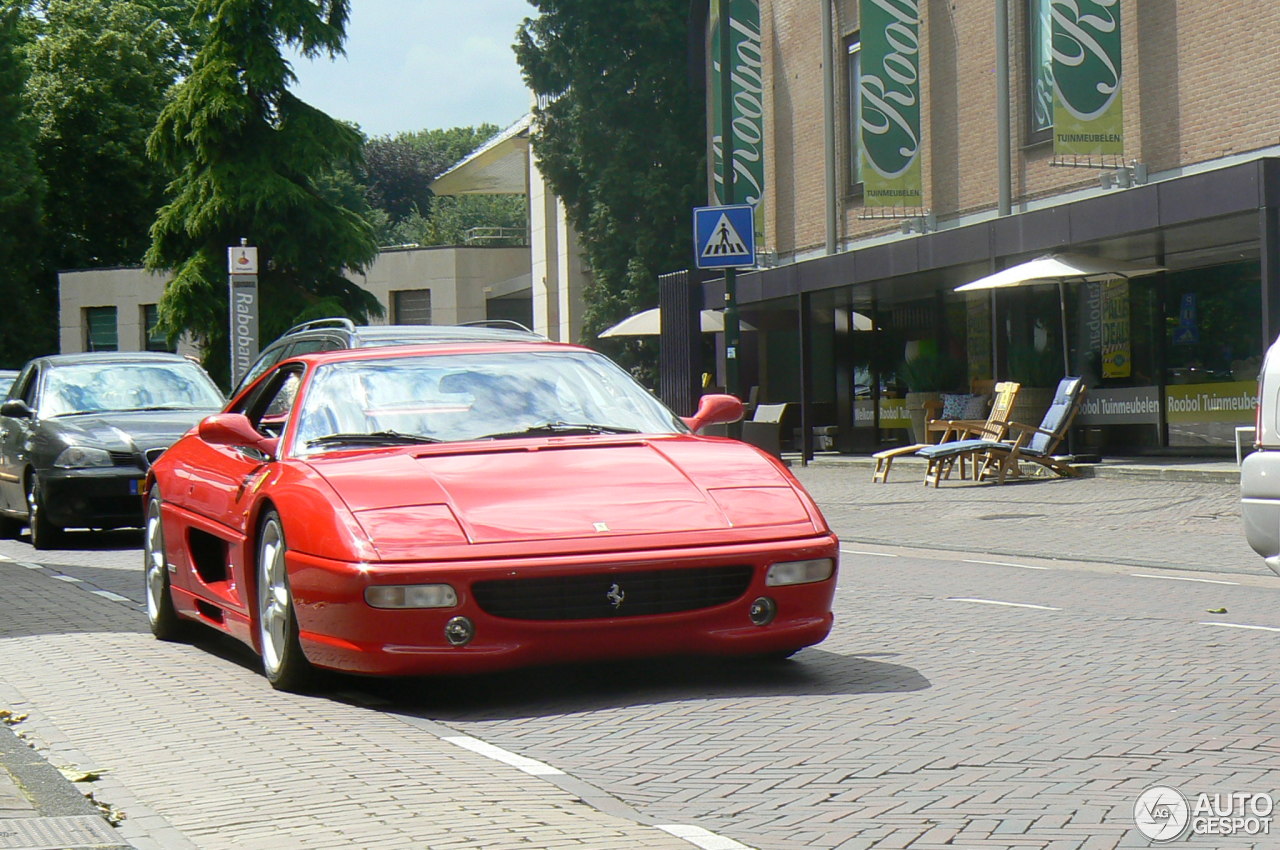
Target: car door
(15,441)
(216,476)
(215,482)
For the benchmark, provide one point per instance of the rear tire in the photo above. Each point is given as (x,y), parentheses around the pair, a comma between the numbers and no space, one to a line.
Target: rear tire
(162,616)
(283,662)
(44,534)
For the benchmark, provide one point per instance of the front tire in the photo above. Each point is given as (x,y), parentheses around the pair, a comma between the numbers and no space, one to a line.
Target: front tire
(44,534)
(283,663)
(161,614)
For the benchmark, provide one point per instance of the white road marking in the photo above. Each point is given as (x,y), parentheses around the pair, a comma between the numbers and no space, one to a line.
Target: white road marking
(1184,578)
(68,579)
(114,597)
(700,837)
(530,766)
(1004,564)
(1242,626)
(998,602)
(861,552)
(5,558)
(30,566)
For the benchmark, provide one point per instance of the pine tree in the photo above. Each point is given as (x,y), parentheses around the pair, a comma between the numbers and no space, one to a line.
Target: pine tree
(248,155)
(27,325)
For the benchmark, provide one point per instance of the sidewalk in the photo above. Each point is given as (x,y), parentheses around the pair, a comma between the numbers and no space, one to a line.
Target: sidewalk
(1165,513)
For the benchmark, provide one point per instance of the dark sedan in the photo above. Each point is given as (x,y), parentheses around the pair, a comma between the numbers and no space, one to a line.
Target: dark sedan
(79,431)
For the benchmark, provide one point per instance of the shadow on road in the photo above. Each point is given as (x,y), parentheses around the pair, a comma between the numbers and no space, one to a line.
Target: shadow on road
(85,540)
(580,688)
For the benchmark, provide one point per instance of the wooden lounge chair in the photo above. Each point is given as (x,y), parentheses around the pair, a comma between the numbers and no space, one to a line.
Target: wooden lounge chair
(1030,443)
(955,429)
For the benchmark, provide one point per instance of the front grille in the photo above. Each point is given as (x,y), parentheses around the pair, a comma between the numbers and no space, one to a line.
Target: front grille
(123,459)
(591,597)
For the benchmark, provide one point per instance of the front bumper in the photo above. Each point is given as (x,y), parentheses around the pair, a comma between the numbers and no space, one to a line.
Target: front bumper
(338,630)
(108,497)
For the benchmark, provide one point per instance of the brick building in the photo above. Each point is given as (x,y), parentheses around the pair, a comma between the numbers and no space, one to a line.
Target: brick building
(1171,358)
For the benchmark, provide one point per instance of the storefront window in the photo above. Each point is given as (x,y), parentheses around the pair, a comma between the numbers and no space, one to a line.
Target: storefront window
(1115,348)
(1213,350)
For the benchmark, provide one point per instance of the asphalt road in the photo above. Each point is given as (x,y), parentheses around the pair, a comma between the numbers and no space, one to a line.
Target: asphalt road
(965,699)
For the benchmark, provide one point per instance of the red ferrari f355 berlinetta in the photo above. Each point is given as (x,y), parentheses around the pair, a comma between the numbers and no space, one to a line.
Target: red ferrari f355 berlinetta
(462,507)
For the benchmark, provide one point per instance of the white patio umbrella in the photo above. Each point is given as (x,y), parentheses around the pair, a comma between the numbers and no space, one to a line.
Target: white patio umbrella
(1061,268)
(649,323)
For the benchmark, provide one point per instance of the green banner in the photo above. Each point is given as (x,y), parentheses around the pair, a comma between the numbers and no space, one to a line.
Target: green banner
(1232,401)
(1088,114)
(889,125)
(746,68)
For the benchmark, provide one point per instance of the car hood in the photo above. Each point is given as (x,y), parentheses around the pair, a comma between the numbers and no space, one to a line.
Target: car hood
(139,429)
(560,489)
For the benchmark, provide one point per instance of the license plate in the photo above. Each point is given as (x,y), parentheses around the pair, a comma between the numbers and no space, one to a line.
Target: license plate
(135,487)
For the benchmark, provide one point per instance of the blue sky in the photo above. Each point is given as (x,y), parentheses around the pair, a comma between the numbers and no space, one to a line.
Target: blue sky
(422,64)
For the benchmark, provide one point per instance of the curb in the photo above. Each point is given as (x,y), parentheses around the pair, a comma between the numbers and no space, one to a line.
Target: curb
(1204,472)
(60,813)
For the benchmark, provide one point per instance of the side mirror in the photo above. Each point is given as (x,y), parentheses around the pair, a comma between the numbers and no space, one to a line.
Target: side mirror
(17,408)
(235,430)
(715,409)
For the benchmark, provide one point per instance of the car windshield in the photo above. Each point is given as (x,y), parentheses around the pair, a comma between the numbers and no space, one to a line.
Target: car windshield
(119,386)
(452,397)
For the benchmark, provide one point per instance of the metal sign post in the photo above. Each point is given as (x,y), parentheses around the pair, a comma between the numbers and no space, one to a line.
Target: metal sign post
(242,269)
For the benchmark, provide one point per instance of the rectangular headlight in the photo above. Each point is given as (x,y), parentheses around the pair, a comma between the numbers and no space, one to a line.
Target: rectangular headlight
(799,572)
(411,596)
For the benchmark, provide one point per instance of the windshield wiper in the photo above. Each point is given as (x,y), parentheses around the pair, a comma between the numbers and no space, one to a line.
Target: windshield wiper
(375,438)
(560,428)
(165,407)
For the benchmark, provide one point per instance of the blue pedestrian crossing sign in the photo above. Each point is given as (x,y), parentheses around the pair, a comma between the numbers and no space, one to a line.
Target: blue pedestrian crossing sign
(724,236)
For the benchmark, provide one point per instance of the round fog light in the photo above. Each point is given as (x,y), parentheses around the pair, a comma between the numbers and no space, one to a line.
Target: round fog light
(459,631)
(763,610)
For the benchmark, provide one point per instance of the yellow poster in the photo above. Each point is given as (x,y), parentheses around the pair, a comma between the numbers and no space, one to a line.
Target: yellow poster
(1116,355)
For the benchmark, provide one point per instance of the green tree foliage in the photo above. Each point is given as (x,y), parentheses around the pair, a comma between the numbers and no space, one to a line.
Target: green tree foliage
(23,333)
(398,171)
(620,138)
(248,155)
(100,72)
(452,218)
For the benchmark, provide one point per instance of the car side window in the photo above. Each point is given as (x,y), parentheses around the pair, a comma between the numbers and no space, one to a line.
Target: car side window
(273,355)
(307,346)
(270,408)
(26,385)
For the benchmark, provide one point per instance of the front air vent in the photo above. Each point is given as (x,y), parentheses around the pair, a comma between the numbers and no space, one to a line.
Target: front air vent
(612,594)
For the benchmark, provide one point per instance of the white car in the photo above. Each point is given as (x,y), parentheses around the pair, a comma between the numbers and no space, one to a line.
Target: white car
(1260,471)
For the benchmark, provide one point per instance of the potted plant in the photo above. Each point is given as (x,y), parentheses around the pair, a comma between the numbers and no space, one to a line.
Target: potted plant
(1038,370)
(927,375)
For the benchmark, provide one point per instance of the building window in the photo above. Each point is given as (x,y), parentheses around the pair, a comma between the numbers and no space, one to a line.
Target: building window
(853,73)
(100,329)
(411,307)
(153,340)
(1039,72)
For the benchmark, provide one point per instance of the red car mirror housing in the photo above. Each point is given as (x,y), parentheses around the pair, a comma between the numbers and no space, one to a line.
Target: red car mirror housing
(715,409)
(235,430)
